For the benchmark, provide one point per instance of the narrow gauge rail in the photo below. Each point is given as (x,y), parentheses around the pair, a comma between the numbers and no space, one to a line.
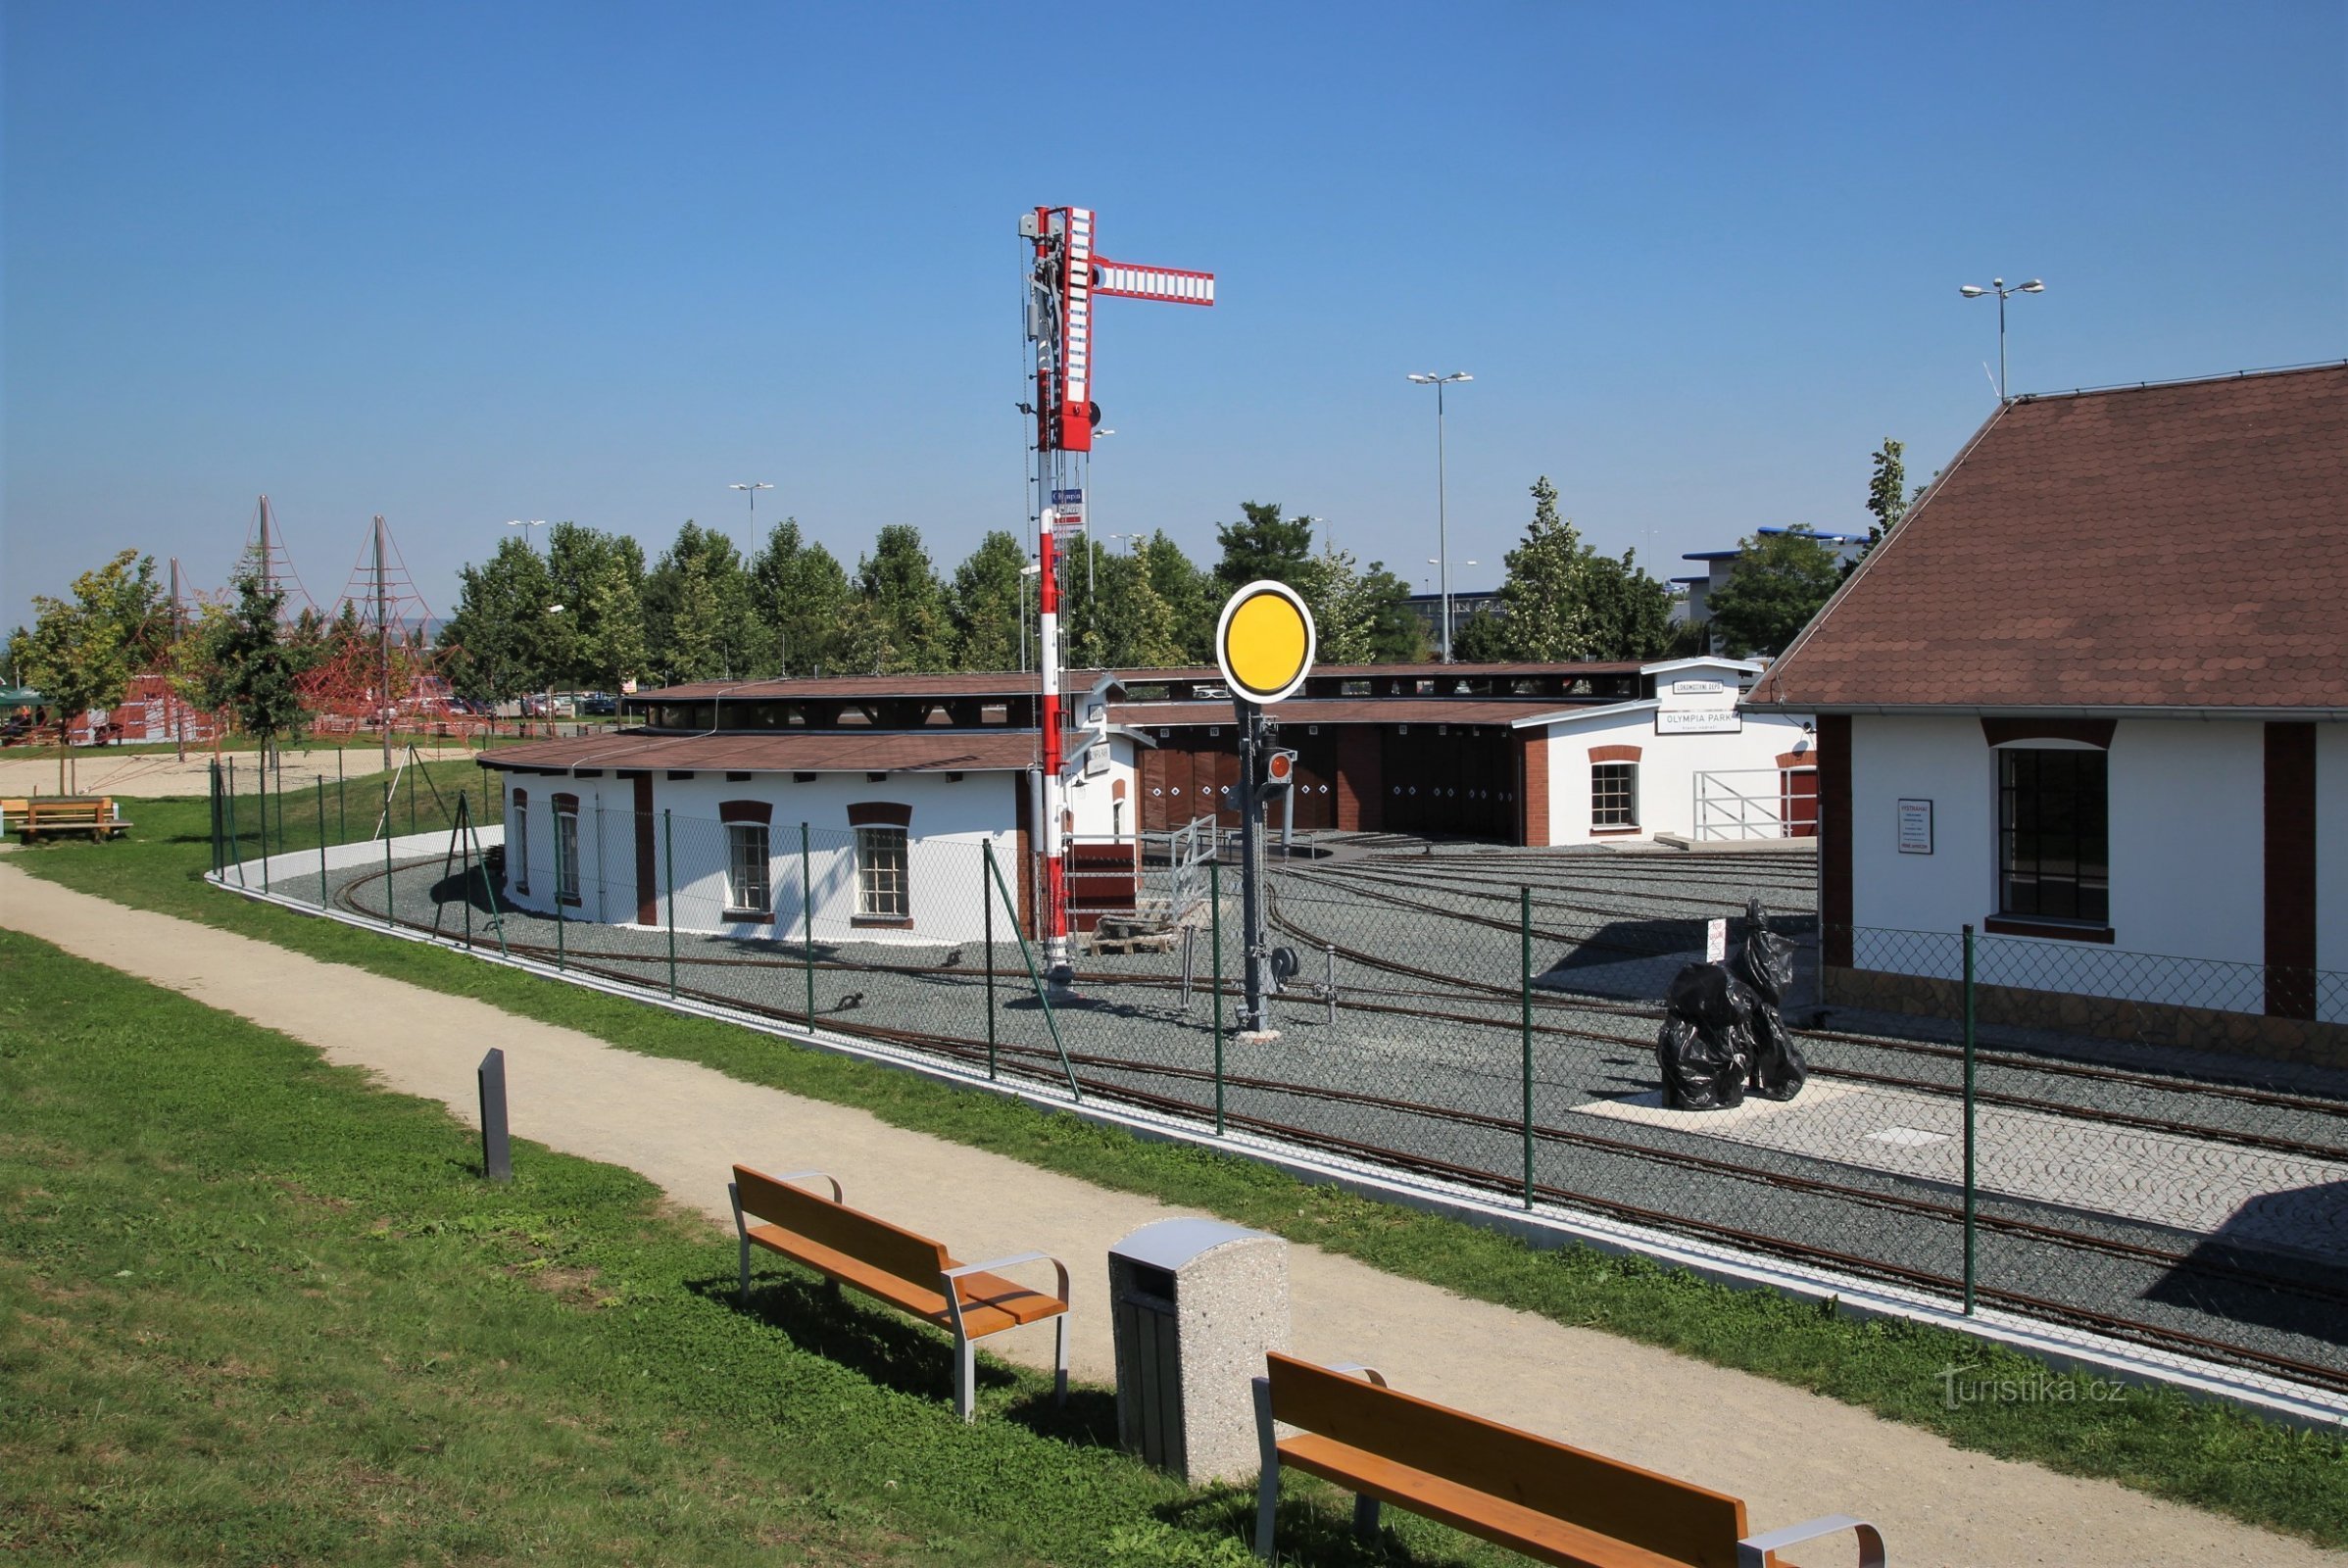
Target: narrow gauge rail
(2019,1101)
(1043,1060)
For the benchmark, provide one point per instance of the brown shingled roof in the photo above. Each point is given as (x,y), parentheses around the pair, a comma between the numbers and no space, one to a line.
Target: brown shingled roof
(1341,711)
(813,752)
(2163,547)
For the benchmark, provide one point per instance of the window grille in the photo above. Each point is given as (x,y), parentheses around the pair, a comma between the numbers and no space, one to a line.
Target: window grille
(748,890)
(1614,795)
(881,889)
(566,856)
(2053,834)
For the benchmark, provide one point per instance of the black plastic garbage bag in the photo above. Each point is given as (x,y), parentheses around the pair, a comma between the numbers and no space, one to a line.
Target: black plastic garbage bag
(1765,964)
(1705,1049)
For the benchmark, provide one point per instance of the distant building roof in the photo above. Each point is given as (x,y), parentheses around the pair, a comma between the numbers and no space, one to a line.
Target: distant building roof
(2173,547)
(816,752)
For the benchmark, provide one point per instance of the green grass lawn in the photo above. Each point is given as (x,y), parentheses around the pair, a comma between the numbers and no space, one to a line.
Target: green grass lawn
(2205,1455)
(253,1310)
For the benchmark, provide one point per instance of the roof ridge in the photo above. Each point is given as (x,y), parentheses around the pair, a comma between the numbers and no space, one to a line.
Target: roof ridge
(2301,369)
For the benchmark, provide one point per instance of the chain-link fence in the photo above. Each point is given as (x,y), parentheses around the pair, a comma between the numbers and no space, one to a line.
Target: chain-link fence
(1481,1016)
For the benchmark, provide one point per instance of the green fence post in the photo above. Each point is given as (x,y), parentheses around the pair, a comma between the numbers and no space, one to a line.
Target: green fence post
(1214,915)
(262,799)
(321,841)
(986,903)
(1042,998)
(497,914)
(217,865)
(390,897)
(465,848)
(236,852)
(342,801)
(409,770)
(559,922)
(1525,1020)
(668,881)
(1969,1113)
(807,922)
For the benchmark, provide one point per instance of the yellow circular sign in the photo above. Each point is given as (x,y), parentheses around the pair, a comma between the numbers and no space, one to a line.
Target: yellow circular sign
(1264,641)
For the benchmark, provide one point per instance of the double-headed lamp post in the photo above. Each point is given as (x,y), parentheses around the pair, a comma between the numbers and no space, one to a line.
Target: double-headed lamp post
(753,488)
(526,527)
(1999,287)
(1442,540)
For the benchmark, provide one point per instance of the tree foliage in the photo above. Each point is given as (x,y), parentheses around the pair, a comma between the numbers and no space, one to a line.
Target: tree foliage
(253,670)
(82,652)
(1566,602)
(1263,544)
(698,620)
(597,639)
(1779,583)
(988,603)
(501,640)
(1887,490)
(903,588)
(798,590)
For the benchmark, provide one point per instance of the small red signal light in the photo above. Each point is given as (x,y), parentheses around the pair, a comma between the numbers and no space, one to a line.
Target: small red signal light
(1280,767)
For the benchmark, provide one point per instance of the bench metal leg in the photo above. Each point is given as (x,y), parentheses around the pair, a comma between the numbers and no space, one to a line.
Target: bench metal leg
(1059,1361)
(965,1379)
(1267,1480)
(733,1194)
(1365,1517)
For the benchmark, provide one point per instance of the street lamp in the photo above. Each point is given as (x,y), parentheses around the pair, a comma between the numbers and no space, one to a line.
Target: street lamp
(552,609)
(753,488)
(1442,544)
(1998,287)
(526,527)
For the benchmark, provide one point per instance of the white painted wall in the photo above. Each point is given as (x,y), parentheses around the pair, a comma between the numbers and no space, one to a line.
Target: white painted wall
(946,866)
(2187,838)
(1668,766)
(2331,871)
(1093,797)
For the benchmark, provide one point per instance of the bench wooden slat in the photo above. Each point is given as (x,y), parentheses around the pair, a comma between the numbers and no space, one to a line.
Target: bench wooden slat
(889,1247)
(1675,1520)
(1538,1535)
(991,1303)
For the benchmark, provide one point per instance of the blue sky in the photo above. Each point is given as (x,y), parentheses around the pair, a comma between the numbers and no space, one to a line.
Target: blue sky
(463,262)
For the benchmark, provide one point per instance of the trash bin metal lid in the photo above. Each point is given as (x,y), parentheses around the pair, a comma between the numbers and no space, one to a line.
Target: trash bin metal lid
(1170,1244)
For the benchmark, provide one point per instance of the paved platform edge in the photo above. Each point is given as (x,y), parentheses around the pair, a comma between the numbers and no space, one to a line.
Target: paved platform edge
(2067,1348)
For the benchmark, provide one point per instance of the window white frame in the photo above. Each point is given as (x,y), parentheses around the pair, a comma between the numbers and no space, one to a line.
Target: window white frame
(748,875)
(883,888)
(517,837)
(1613,795)
(566,854)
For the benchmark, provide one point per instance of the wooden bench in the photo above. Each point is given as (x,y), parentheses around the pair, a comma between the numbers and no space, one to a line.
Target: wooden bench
(1554,1504)
(893,1265)
(93,814)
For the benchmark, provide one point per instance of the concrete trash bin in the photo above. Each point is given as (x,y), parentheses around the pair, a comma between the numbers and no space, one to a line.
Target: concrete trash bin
(1194,1304)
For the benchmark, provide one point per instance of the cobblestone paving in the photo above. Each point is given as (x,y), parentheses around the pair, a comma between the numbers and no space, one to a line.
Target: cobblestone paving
(2200,1186)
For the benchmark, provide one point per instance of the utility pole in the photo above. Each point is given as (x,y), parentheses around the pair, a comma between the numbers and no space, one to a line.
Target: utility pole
(383,645)
(171,688)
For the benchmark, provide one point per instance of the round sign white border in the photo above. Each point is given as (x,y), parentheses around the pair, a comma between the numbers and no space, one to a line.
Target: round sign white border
(1312,638)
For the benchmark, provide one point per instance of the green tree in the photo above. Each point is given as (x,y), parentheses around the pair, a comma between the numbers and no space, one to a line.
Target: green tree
(1549,617)
(254,671)
(1190,596)
(698,620)
(1482,639)
(501,640)
(799,591)
(597,639)
(1398,636)
(862,646)
(1779,583)
(1262,545)
(987,603)
(1887,490)
(1630,612)
(901,585)
(1141,627)
(81,652)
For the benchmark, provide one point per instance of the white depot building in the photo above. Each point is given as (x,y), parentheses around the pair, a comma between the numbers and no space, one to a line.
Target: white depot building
(2091,698)
(880,808)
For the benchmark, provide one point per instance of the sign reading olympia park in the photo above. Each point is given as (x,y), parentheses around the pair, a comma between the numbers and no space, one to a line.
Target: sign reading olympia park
(1264,642)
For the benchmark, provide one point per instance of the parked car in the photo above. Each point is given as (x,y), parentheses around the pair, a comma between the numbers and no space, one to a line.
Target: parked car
(599,705)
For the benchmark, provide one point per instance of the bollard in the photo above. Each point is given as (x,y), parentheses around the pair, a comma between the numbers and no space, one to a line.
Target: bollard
(497,1153)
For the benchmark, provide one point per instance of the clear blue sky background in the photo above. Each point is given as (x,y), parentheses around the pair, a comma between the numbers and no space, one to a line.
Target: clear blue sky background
(465,263)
